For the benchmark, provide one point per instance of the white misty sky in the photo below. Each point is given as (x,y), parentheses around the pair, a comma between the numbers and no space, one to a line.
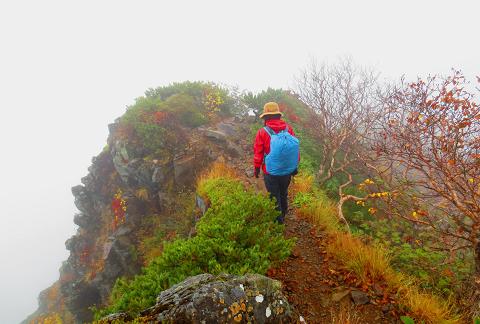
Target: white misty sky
(68,68)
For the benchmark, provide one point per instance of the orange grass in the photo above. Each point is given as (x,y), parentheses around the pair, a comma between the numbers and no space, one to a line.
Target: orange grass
(370,263)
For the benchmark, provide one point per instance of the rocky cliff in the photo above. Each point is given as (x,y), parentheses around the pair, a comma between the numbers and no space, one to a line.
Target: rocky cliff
(129,190)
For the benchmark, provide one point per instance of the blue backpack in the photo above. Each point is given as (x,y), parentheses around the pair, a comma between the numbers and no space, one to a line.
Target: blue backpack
(283,156)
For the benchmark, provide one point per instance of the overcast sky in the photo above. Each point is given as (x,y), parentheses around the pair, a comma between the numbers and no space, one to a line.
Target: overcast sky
(69,68)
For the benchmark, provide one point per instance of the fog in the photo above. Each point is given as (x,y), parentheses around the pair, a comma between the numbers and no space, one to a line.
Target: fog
(69,68)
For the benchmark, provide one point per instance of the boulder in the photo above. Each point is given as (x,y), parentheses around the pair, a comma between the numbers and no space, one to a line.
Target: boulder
(228,128)
(216,135)
(234,150)
(116,318)
(79,296)
(84,220)
(359,297)
(82,199)
(222,299)
(118,260)
(201,204)
(184,167)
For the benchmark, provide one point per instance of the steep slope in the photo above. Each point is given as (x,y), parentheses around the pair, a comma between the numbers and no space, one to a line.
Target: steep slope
(139,191)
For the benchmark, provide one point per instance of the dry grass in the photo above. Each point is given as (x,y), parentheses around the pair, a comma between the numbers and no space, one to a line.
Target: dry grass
(371,263)
(367,262)
(423,306)
(346,315)
(142,194)
(301,183)
(217,170)
(323,214)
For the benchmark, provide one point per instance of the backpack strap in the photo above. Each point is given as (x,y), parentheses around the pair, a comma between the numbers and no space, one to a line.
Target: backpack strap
(269,130)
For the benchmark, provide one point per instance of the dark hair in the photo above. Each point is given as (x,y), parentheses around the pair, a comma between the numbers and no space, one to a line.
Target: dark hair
(268,117)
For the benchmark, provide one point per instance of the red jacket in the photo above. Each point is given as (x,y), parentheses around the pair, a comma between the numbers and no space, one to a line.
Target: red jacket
(261,147)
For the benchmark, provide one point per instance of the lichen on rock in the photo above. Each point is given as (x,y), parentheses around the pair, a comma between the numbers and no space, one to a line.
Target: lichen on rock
(221,299)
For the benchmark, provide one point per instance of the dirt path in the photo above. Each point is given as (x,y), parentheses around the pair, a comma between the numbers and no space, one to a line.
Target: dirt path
(317,287)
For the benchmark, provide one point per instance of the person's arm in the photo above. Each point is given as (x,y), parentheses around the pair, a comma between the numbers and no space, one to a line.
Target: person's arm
(258,151)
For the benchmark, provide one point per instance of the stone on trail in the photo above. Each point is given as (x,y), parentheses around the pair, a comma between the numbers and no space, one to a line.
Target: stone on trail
(359,297)
(223,299)
(338,296)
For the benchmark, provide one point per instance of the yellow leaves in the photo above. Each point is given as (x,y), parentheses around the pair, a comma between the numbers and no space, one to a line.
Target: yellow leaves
(213,100)
(379,194)
(471,180)
(419,213)
(360,203)
(142,194)
(368,182)
(372,210)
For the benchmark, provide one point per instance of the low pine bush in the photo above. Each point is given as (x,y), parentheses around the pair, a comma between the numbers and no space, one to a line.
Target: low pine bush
(237,235)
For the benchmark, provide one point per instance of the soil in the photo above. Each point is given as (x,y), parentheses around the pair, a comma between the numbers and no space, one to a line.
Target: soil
(319,288)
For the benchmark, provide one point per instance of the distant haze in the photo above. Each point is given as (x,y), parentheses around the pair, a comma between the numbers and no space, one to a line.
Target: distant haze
(69,68)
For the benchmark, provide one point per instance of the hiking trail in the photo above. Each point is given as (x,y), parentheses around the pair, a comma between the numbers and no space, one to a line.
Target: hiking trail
(320,289)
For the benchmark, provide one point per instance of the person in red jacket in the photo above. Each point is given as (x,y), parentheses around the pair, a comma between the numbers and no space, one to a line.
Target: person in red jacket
(277,186)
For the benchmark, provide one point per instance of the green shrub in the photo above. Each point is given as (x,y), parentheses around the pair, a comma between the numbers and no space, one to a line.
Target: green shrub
(237,235)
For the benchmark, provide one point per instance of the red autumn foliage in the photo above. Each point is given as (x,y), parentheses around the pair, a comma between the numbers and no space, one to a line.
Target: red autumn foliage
(119,208)
(289,113)
(431,144)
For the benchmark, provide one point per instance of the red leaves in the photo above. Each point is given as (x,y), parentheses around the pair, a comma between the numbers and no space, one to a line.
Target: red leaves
(289,113)
(119,208)
(160,117)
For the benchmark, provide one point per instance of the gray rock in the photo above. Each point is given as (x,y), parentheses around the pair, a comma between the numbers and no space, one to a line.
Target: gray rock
(200,202)
(338,296)
(116,318)
(216,135)
(234,150)
(120,160)
(184,169)
(158,175)
(84,220)
(228,128)
(82,199)
(223,299)
(359,297)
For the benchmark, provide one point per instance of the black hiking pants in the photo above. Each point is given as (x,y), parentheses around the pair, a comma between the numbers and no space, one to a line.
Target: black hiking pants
(277,186)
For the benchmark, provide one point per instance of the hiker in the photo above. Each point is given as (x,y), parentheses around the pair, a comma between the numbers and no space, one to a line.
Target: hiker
(276,151)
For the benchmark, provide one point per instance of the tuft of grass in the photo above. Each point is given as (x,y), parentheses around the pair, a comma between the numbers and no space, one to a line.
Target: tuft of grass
(322,212)
(218,170)
(346,315)
(366,261)
(142,194)
(302,184)
(423,306)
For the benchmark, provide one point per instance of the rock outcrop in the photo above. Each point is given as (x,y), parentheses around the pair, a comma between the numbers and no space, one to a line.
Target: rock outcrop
(104,247)
(219,299)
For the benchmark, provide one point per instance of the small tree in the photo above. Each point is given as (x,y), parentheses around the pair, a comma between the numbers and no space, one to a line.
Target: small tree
(345,103)
(429,152)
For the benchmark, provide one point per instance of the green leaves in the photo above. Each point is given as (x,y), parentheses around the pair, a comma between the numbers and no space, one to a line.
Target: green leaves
(237,235)
(407,320)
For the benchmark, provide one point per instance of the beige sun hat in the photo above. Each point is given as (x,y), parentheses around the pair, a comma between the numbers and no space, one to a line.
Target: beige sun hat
(271,108)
